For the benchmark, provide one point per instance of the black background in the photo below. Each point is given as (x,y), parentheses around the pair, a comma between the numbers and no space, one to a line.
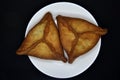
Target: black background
(14,17)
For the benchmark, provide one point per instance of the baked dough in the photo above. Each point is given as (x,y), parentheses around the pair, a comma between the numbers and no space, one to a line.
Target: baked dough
(43,41)
(78,36)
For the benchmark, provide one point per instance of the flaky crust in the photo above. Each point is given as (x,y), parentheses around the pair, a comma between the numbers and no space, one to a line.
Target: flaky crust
(43,41)
(78,36)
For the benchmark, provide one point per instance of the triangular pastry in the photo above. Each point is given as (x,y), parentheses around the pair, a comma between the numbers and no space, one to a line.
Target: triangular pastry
(78,36)
(43,41)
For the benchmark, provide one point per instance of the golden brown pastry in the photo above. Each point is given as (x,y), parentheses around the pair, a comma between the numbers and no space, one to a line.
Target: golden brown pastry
(78,36)
(43,41)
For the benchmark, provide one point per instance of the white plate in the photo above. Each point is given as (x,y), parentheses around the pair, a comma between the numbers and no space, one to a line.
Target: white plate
(59,69)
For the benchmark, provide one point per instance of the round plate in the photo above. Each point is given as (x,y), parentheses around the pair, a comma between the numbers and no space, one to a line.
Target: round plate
(58,69)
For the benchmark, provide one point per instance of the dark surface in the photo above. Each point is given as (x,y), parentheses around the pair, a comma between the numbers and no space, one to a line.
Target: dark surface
(14,17)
